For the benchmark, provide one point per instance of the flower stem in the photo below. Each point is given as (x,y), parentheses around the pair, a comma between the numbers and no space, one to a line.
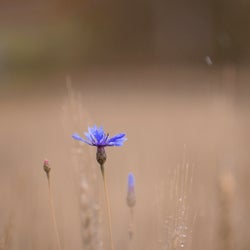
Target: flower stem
(53,214)
(107,206)
(131,229)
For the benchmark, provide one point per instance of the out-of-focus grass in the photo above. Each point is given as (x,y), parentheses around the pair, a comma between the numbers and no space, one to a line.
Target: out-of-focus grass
(159,117)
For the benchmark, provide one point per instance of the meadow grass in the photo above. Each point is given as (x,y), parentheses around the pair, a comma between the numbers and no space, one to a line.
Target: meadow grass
(47,170)
(176,225)
(226,199)
(6,237)
(175,218)
(175,215)
(85,172)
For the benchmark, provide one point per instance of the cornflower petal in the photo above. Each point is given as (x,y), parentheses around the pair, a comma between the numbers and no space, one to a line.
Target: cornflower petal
(97,137)
(117,143)
(87,135)
(104,139)
(98,133)
(116,137)
(117,140)
(79,138)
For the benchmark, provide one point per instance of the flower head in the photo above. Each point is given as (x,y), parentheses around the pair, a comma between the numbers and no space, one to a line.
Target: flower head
(97,137)
(131,199)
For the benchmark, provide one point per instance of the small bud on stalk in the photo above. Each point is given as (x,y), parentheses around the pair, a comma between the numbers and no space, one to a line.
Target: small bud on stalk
(46,167)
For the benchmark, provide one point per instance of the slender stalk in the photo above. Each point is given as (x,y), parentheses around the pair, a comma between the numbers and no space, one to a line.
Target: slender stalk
(53,214)
(131,228)
(107,206)
(131,222)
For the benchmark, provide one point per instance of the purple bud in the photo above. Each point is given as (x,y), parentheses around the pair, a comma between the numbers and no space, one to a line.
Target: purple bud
(131,190)
(131,180)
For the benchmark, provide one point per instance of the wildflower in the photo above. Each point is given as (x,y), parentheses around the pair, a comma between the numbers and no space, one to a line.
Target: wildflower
(98,138)
(131,190)
(46,166)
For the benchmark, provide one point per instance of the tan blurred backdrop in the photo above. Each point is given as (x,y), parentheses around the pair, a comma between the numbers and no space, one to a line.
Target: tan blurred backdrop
(172,75)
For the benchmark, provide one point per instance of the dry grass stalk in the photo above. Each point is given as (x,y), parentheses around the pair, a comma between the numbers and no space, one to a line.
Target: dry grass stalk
(5,239)
(131,229)
(52,207)
(89,219)
(177,224)
(226,200)
(74,118)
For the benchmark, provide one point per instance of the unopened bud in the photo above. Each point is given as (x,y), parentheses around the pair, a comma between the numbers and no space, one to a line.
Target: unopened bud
(101,155)
(131,199)
(46,166)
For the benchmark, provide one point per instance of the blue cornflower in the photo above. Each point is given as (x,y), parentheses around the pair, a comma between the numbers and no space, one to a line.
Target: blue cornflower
(97,137)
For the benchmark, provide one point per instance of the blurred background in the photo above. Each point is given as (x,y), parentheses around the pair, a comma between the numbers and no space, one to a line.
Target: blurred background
(51,35)
(173,75)
(44,39)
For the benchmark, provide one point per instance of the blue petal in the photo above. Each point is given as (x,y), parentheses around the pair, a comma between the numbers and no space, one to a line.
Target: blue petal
(117,140)
(116,143)
(97,133)
(117,137)
(91,135)
(104,139)
(79,138)
(88,136)
(131,180)
(100,134)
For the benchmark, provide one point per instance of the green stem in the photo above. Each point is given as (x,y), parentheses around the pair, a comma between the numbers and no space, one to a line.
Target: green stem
(107,206)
